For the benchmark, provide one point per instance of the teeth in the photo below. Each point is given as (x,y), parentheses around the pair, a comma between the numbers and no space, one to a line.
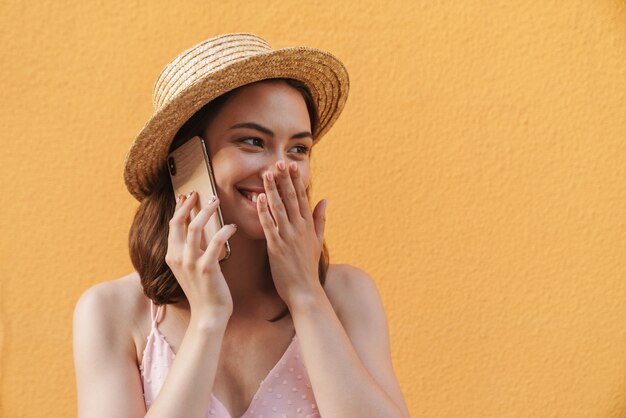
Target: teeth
(251,196)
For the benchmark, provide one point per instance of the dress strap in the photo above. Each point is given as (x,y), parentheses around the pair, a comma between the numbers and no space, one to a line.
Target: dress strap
(154,316)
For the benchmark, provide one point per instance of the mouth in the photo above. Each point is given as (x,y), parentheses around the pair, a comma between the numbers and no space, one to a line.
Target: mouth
(249,196)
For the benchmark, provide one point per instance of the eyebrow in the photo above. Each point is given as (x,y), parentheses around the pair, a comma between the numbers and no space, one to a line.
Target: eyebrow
(257,127)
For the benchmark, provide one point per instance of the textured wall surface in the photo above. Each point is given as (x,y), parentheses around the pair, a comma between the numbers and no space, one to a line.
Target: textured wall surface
(478,173)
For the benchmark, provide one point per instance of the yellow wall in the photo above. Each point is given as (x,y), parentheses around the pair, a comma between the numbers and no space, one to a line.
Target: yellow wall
(477,173)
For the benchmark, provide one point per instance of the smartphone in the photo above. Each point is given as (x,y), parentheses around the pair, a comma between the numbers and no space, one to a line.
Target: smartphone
(190,169)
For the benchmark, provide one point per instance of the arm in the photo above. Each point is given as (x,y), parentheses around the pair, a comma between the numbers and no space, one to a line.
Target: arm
(107,376)
(189,383)
(108,379)
(295,238)
(355,361)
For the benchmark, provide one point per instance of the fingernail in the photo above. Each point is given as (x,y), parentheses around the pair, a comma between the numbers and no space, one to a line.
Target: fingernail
(281,165)
(234,225)
(212,199)
(189,194)
(178,198)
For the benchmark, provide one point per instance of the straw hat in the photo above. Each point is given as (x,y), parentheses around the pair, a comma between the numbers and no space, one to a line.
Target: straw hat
(214,67)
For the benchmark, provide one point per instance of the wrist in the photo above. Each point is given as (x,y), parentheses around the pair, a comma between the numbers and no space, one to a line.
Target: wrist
(310,300)
(210,321)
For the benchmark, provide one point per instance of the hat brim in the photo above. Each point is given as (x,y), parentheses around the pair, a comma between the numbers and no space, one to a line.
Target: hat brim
(324,75)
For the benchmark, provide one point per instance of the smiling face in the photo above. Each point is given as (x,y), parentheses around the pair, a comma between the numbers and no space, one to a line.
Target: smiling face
(260,124)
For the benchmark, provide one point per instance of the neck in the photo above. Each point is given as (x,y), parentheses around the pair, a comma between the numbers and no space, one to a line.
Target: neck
(247,270)
(249,278)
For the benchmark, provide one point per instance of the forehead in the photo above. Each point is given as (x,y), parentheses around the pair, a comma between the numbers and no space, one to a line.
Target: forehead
(266,102)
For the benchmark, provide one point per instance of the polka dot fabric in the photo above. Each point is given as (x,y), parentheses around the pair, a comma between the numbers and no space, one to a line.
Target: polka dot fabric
(285,392)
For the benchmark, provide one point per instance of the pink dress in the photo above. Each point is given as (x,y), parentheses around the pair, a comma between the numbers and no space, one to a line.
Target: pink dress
(285,392)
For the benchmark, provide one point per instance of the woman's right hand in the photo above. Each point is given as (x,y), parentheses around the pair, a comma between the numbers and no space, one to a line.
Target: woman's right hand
(198,272)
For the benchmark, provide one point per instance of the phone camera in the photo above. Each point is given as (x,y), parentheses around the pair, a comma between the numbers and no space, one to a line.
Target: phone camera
(172,166)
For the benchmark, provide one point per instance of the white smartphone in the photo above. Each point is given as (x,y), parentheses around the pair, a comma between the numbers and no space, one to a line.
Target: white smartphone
(190,169)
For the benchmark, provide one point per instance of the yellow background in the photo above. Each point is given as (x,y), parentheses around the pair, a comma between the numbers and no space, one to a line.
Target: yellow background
(478,173)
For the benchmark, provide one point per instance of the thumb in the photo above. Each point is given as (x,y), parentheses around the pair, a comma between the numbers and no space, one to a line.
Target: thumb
(319,219)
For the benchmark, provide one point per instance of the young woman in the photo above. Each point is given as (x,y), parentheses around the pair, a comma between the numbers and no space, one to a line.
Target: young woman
(274,330)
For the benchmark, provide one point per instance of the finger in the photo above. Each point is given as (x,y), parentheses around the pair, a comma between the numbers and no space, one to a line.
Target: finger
(273,199)
(178,223)
(302,198)
(288,191)
(173,235)
(269,227)
(319,216)
(194,209)
(197,225)
(218,240)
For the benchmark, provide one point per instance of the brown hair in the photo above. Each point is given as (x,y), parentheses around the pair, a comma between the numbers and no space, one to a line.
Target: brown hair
(148,234)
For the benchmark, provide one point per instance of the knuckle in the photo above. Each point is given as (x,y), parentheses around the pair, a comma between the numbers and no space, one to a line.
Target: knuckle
(276,207)
(188,264)
(216,241)
(212,248)
(206,269)
(292,195)
(222,235)
(194,227)
(172,260)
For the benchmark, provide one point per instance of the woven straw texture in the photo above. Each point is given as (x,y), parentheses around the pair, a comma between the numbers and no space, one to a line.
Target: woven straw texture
(214,67)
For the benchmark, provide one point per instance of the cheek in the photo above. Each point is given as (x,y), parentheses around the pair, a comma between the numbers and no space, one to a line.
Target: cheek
(305,175)
(220,172)
(225,167)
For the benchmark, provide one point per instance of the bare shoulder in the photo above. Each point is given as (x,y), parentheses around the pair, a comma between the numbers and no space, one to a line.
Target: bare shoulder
(113,304)
(351,290)
(104,348)
(357,302)
(118,288)
(126,291)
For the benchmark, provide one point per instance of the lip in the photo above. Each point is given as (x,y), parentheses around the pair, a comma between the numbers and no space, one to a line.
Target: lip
(250,202)
(251,189)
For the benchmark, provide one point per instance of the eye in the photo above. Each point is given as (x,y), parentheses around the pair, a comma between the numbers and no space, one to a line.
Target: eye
(304,149)
(251,139)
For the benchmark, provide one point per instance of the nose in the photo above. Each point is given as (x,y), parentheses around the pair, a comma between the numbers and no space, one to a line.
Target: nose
(271,165)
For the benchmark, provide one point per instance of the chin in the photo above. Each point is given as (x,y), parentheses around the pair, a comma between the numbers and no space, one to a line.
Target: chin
(247,220)
(250,229)
(251,233)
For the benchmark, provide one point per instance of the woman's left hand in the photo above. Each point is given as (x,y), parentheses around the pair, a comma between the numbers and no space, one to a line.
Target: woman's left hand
(295,236)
